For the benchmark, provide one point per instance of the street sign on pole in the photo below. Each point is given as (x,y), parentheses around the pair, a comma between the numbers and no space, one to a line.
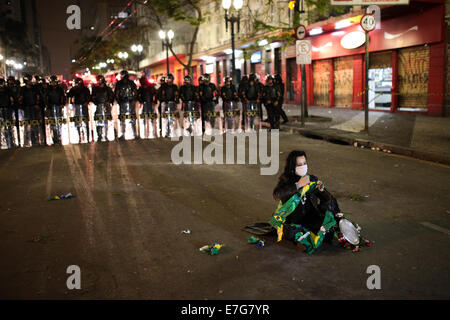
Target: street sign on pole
(300,32)
(303,50)
(368,22)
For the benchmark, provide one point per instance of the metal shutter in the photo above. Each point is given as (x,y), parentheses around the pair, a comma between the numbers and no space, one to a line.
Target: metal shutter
(343,81)
(413,66)
(321,71)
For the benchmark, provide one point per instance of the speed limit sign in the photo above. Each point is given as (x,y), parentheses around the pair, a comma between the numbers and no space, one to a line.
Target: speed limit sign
(368,22)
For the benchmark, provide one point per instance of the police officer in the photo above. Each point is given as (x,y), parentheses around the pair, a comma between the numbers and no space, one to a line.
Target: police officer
(126,93)
(79,96)
(208,97)
(14,89)
(260,88)
(103,98)
(169,97)
(191,113)
(147,96)
(55,100)
(278,82)
(252,96)
(7,119)
(230,97)
(271,98)
(30,112)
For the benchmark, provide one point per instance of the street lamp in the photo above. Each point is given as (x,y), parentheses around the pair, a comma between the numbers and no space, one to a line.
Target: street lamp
(123,56)
(232,19)
(166,38)
(137,49)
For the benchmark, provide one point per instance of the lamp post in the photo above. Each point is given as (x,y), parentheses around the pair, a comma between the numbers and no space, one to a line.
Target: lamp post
(166,38)
(232,19)
(137,50)
(123,56)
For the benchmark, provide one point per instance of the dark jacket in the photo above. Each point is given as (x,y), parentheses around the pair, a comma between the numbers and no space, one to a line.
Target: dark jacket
(311,211)
(102,94)
(81,95)
(147,94)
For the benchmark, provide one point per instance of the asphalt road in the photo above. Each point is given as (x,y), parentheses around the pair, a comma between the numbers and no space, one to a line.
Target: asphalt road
(123,227)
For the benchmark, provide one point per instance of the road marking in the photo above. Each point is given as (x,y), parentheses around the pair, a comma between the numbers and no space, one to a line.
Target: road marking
(49,178)
(435,227)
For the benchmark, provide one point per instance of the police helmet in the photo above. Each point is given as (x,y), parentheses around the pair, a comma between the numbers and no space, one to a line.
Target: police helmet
(124,74)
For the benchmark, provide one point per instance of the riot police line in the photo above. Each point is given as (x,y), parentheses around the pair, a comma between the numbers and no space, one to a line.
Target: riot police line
(41,113)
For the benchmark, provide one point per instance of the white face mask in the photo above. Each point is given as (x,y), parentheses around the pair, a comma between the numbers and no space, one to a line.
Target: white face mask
(301,170)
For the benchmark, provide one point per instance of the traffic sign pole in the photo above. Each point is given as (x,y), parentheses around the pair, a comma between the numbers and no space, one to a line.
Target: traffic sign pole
(368,23)
(366,88)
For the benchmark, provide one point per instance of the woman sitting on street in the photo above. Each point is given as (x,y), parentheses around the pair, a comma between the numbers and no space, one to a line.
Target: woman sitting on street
(306,211)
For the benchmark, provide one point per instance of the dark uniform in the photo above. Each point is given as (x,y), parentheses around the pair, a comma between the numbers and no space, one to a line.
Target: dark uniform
(169,96)
(190,105)
(30,114)
(271,98)
(8,130)
(208,97)
(103,98)
(230,97)
(126,93)
(80,97)
(278,82)
(251,104)
(148,123)
(54,100)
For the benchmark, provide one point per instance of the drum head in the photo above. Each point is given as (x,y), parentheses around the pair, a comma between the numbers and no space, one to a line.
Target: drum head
(349,231)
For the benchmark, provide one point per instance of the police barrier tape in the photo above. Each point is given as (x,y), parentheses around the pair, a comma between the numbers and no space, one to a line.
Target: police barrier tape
(397,93)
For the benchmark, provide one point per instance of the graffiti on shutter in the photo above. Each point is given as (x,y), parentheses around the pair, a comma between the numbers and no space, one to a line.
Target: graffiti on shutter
(321,70)
(413,69)
(343,81)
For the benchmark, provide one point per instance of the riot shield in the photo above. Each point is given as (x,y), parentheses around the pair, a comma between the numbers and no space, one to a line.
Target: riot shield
(56,126)
(232,116)
(79,124)
(104,125)
(127,121)
(30,127)
(212,118)
(8,129)
(192,125)
(252,118)
(170,120)
(149,122)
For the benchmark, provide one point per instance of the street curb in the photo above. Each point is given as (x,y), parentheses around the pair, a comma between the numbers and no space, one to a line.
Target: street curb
(373,145)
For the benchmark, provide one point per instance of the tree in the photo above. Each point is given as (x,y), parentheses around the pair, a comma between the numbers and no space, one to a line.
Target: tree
(93,50)
(189,11)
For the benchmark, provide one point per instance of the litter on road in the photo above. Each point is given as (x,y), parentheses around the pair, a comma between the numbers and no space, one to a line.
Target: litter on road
(63,197)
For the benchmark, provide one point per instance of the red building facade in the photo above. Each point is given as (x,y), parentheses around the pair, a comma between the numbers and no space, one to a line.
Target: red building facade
(406,65)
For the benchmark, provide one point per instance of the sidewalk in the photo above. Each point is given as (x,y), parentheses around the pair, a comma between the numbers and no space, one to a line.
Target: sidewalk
(418,136)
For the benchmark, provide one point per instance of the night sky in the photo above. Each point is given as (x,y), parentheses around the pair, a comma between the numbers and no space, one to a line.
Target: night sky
(55,35)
